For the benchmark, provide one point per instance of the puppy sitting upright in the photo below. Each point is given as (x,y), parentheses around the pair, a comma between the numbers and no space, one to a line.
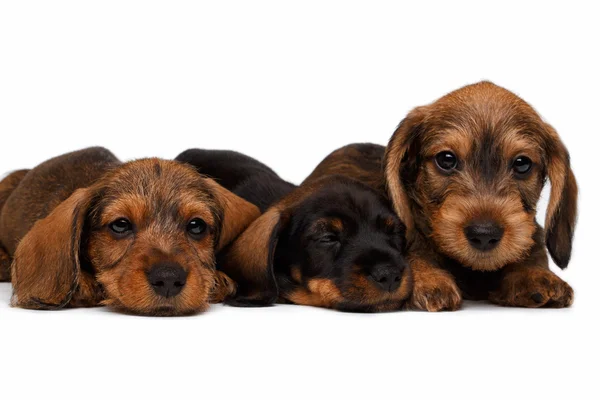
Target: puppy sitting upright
(331,242)
(84,229)
(465,174)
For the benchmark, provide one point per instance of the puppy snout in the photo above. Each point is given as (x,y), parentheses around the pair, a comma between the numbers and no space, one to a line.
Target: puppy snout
(167,280)
(388,277)
(485,235)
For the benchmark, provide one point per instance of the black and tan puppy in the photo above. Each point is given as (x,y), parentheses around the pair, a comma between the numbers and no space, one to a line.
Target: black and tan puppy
(465,174)
(331,242)
(84,229)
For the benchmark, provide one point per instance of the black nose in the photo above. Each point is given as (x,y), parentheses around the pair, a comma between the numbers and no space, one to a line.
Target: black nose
(484,236)
(387,277)
(167,280)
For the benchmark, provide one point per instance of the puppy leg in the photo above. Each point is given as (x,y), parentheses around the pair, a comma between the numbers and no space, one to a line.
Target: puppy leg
(434,289)
(224,287)
(5,261)
(89,292)
(532,286)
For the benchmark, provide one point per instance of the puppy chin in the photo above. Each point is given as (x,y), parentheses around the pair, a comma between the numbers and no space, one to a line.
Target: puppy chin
(158,310)
(129,292)
(364,297)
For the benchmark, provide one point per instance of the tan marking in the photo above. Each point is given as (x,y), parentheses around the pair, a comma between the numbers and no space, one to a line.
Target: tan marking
(320,293)
(296,273)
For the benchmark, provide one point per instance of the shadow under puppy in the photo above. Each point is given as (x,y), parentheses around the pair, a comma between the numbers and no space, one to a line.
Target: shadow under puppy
(465,174)
(84,229)
(331,242)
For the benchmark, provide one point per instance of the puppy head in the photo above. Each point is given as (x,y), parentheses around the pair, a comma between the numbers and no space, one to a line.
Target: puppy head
(148,231)
(468,170)
(331,244)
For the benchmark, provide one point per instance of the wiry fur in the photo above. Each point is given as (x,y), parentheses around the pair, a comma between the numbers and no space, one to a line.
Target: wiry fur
(54,226)
(486,127)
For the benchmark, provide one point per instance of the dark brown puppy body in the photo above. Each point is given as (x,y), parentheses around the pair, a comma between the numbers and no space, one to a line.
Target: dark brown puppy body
(465,174)
(84,229)
(331,242)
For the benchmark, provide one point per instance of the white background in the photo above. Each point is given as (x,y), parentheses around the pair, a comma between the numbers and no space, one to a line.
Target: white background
(288,84)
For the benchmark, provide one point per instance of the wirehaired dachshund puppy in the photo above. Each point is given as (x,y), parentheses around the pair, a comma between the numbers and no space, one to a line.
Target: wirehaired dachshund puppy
(465,174)
(332,242)
(84,229)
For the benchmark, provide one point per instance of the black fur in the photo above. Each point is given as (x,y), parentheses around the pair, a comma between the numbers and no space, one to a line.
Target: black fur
(364,243)
(243,175)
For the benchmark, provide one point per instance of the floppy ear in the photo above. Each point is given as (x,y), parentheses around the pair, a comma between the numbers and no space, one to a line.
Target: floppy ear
(237,213)
(249,261)
(46,266)
(561,215)
(400,164)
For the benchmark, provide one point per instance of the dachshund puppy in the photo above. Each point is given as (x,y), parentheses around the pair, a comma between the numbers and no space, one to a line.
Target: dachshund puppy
(464,174)
(84,229)
(332,242)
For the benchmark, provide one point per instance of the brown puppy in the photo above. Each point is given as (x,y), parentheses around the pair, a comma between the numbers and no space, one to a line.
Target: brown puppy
(465,174)
(84,229)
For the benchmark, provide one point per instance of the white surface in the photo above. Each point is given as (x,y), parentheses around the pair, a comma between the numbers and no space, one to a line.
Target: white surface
(288,84)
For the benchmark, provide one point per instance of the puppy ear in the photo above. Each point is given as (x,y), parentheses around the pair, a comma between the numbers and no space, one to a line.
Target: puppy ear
(561,215)
(249,261)
(237,213)
(400,164)
(46,266)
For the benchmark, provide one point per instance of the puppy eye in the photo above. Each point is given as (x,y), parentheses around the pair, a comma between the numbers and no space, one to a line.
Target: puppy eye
(196,227)
(446,160)
(121,226)
(522,165)
(329,238)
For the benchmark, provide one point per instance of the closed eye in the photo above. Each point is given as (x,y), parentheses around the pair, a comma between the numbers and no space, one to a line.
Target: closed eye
(329,238)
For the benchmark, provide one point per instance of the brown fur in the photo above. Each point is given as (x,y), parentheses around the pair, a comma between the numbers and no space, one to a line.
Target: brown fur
(359,162)
(318,293)
(7,186)
(59,215)
(248,258)
(486,127)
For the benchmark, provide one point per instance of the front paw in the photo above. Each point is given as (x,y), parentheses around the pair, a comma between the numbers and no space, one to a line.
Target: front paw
(88,293)
(224,288)
(533,287)
(435,292)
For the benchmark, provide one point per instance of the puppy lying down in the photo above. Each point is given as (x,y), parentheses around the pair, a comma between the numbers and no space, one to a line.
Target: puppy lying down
(84,229)
(331,242)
